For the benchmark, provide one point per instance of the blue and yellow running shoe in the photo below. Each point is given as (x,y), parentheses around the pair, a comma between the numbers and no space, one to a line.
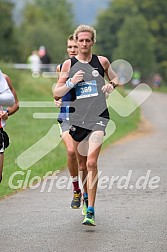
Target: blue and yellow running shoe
(76,201)
(89,219)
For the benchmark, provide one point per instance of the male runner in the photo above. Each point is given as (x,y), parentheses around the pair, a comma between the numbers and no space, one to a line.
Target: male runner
(63,119)
(88,110)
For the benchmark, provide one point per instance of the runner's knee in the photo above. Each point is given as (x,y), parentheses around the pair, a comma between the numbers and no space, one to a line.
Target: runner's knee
(71,153)
(91,165)
(82,165)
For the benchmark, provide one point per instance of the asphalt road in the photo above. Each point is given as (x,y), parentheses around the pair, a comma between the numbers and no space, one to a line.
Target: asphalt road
(131,212)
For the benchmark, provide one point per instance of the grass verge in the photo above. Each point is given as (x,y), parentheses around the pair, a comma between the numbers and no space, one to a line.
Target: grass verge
(26,131)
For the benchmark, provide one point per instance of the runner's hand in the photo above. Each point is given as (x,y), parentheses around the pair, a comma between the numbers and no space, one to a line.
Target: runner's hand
(107,88)
(78,76)
(58,103)
(4,115)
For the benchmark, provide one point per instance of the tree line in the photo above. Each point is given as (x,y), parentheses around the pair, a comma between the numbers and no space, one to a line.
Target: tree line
(44,22)
(134,30)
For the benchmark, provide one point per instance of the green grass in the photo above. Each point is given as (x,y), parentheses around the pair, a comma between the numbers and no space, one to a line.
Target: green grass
(124,125)
(24,130)
(162,89)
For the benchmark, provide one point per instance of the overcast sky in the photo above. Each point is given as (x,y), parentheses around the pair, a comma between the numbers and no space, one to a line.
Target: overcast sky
(85,11)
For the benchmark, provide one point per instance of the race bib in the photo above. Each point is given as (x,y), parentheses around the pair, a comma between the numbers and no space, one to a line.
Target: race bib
(86,89)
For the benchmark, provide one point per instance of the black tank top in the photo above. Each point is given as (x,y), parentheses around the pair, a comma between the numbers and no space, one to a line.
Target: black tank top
(88,102)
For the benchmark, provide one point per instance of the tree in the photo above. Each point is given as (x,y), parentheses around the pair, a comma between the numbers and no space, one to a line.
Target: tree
(155,14)
(110,21)
(135,44)
(8,48)
(47,23)
(108,24)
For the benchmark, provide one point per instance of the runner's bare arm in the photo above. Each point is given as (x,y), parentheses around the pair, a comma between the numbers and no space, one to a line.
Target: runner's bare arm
(15,107)
(60,88)
(110,74)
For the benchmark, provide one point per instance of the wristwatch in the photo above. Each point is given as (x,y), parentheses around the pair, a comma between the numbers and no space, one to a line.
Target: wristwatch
(7,111)
(114,85)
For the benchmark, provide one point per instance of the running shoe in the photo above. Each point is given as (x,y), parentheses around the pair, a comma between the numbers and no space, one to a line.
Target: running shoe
(89,219)
(76,202)
(85,206)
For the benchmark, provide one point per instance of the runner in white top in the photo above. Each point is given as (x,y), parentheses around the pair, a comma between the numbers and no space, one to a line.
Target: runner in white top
(8,105)
(6,95)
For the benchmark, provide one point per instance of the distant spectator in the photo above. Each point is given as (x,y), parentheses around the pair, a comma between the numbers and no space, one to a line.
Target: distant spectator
(136,77)
(44,57)
(157,80)
(35,62)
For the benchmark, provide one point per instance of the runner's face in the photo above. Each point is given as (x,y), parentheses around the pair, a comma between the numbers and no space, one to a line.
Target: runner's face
(72,48)
(84,42)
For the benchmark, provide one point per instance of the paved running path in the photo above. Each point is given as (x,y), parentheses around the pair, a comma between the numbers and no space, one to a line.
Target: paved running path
(128,220)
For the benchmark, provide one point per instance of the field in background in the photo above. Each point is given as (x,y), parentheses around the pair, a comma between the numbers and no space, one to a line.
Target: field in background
(24,130)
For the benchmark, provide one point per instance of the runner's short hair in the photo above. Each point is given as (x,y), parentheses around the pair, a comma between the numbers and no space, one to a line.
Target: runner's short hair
(85,28)
(71,37)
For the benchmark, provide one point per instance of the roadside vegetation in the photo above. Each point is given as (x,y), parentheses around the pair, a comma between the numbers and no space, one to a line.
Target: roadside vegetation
(25,131)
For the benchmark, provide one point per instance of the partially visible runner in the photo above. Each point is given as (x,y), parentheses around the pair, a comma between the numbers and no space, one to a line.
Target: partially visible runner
(89,114)
(63,119)
(9,105)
